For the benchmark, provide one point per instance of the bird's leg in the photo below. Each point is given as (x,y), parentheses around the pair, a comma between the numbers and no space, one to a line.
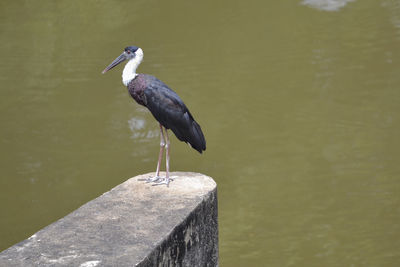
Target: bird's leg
(160,155)
(167,147)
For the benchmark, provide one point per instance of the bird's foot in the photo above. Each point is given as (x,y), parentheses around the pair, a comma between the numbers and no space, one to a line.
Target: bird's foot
(154,179)
(164,181)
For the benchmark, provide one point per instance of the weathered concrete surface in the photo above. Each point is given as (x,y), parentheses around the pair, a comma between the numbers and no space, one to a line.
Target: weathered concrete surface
(134,224)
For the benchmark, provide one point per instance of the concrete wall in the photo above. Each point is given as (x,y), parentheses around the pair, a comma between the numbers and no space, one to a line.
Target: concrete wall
(134,224)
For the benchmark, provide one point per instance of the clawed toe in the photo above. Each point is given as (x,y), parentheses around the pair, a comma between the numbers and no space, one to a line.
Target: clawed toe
(158,180)
(153,179)
(162,181)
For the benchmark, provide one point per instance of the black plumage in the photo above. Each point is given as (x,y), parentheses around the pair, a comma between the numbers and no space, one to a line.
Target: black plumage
(168,109)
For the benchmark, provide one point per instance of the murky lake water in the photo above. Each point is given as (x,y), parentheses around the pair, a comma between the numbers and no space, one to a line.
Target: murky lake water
(298,100)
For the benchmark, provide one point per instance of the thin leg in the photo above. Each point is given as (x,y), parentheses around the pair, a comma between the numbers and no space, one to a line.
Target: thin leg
(167,157)
(160,155)
(167,178)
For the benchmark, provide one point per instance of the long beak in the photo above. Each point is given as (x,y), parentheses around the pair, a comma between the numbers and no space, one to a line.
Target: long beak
(116,61)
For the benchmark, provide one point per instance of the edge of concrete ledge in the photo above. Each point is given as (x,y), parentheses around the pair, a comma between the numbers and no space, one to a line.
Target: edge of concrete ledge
(133,224)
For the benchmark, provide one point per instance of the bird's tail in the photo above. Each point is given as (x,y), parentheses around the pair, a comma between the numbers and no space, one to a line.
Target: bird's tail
(189,131)
(197,140)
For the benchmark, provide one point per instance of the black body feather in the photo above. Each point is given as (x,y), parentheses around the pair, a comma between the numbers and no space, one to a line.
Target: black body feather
(168,109)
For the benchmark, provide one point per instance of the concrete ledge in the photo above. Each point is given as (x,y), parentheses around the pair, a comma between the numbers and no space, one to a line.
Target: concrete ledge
(134,224)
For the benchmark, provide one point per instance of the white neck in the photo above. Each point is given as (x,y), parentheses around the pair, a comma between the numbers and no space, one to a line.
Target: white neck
(129,72)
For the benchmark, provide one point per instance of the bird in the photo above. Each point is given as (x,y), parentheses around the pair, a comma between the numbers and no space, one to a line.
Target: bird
(164,104)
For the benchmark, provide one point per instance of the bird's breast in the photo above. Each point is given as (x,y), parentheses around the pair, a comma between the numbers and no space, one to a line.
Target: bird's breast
(136,89)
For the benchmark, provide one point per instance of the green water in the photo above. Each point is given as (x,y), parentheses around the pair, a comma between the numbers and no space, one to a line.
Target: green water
(299,102)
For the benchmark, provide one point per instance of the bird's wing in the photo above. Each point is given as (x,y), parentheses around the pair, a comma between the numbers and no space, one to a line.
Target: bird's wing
(168,109)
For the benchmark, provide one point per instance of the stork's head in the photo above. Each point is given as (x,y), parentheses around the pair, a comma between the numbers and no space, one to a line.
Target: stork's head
(130,53)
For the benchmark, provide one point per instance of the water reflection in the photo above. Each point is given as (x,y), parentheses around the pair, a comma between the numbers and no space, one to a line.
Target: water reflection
(137,126)
(327,5)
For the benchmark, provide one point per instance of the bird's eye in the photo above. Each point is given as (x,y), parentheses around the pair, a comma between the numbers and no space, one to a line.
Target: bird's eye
(128,52)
